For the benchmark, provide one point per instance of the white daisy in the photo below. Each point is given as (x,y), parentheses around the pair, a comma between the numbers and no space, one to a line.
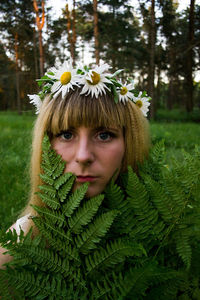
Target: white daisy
(94,81)
(142,102)
(66,77)
(124,92)
(35,99)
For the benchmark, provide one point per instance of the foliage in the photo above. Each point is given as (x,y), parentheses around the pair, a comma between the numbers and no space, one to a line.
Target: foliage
(138,241)
(123,42)
(177,115)
(6,75)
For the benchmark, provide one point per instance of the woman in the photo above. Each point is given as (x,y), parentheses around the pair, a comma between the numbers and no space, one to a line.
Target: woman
(94,122)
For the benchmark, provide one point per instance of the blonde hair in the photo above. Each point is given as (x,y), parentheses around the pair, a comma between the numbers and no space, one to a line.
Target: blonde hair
(75,110)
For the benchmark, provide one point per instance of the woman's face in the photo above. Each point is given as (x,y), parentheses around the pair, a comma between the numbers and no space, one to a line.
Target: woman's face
(92,154)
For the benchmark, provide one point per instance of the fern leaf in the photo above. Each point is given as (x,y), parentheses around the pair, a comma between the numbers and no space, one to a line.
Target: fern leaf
(160,199)
(65,189)
(155,163)
(115,253)
(184,248)
(52,164)
(74,200)
(53,203)
(177,193)
(47,260)
(84,214)
(114,195)
(54,216)
(109,287)
(62,180)
(136,191)
(48,189)
(46,179)
(146,215)
(50,231)
(88,239)
(58,169)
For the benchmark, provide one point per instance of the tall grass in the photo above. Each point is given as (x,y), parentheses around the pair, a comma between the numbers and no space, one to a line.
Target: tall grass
(15,149)
(15,141)
(177,137)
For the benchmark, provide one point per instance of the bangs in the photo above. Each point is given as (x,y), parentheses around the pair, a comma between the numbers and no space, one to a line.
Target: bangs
(80,110)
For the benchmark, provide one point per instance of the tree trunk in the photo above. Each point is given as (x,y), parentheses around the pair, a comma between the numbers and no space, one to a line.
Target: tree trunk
(40,25)
(74,33)
(41,54)
(69,29)
(189,70)
(96,33)
(17,74)
(172,71)
(158,85)
(35,55)
(152,39)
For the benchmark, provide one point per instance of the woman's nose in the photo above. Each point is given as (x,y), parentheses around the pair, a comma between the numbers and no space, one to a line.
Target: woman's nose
(84,151)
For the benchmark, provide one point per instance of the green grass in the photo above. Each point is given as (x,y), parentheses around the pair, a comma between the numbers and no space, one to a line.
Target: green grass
(177,115)
(15,141)
(177,136)
(15,147)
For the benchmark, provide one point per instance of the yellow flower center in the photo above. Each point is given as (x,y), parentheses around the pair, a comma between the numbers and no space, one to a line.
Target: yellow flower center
(124,90)
(65,78)
(95,78)
(139,103)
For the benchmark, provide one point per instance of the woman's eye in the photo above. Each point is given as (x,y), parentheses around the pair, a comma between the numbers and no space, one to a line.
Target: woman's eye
(105,136)
(67,135)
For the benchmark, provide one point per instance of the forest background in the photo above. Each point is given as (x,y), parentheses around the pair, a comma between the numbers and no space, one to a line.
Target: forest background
(156,44)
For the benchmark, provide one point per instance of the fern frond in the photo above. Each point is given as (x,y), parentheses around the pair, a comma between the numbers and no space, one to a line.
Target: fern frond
(49,260)
(58,169)
(48,189)
(24,281)
(115,195)
(62,180)
(49,201)
(136,191)
(50,231)
(88,239)
(8,238)
(159,198)
(65,189)
(155,163)
(176,192)
(55,217)
(115,199)
(74,200)
(84,214)
(47,179)
(145,214)
(114,253)
(109,287)
(52,163)
(183,248)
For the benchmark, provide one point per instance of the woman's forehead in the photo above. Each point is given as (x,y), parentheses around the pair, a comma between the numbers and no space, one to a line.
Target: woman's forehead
(95,128)
(86,112)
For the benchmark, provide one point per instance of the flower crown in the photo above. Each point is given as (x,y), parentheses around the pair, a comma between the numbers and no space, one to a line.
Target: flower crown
(61,79)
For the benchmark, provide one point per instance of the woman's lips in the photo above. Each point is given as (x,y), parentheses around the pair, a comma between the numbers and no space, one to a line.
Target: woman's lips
(85,178)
